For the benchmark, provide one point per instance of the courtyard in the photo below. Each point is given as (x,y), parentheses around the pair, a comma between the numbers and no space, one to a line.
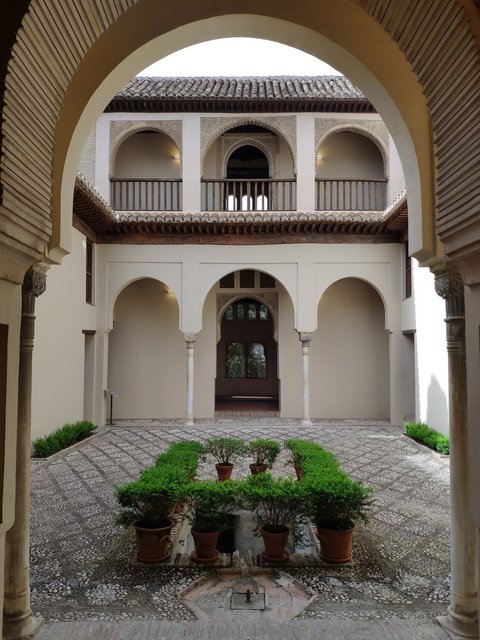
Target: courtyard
(82,565)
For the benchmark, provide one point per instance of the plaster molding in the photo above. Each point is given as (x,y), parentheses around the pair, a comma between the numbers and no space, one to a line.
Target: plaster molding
(213,128)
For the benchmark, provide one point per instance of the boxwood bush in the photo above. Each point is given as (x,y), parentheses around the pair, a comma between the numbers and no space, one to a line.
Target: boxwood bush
(62,438)
(422,433)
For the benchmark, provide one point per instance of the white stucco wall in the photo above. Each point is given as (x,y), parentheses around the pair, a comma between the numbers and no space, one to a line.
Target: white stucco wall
(59,354)
(148,155)
(431,351)
(349,155)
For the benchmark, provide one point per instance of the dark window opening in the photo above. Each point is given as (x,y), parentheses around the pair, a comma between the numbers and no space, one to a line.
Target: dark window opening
(256,365)
(266,281)
(247,279)
(89,272)
(408,274)
(228,281)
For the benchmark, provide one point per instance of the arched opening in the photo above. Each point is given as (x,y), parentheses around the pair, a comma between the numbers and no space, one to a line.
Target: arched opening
(247,371)
(248,186)
(350,174)
(145,363)
(349,355)
(146,174)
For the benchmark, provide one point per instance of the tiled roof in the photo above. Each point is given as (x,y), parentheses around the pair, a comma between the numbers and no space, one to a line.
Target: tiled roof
(274,93)
(245,88)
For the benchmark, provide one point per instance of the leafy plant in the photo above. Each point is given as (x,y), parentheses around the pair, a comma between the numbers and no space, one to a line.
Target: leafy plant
(62,438)
(337,502)
(225,450)
(149,500)
(277,503)
(264,451)
(422,433)
(306,455)
(208,504)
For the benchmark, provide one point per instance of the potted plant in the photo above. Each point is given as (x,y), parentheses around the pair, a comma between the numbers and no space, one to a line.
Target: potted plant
(264,453)
(208,507)
(279,507)
(336,503)
(225,451)
(147,504)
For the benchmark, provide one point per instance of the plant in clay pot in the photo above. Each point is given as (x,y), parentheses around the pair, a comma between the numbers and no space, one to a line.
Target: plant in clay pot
(147,503)
(279,507)
(208,505)
(225,451)
(336,503)
(264,453)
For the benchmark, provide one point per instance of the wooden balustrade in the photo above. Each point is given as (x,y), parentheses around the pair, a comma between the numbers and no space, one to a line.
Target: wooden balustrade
(350,195)
(249,195)
(146,194)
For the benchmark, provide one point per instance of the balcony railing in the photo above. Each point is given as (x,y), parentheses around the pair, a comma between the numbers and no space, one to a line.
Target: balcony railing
(350,195)
(146,194)
(249,195)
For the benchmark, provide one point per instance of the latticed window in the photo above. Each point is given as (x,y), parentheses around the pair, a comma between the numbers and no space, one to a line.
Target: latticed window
(246,311)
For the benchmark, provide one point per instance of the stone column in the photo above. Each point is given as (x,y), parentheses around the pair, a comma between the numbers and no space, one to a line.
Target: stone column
(462,618)
(190,340)
(18,621)
(305,339)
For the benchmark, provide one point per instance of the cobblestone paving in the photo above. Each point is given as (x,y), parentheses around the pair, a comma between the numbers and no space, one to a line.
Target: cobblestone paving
(81,564)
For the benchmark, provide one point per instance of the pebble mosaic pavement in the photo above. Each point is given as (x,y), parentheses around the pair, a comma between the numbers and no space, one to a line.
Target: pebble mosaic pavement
(81,564)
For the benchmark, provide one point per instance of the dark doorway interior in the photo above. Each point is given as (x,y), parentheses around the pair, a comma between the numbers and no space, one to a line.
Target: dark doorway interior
(247,379)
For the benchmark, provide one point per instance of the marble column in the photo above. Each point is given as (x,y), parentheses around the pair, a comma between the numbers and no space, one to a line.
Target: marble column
(462,618)
(305,339)
(190,340)
(17,620)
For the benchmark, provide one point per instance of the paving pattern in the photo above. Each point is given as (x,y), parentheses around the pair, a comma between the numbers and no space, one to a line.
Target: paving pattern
(81,563)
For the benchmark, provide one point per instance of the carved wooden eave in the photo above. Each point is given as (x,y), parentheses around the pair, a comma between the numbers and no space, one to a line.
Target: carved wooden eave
(93,216)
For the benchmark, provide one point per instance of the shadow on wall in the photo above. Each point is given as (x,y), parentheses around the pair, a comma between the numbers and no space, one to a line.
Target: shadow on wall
(437,407)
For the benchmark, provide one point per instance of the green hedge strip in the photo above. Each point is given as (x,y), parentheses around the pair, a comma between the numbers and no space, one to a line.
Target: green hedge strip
(62,438)
(422,433)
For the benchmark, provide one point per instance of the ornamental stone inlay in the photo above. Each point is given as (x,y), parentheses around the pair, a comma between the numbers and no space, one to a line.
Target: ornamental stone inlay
(120,130)
(213,128)
(375,130)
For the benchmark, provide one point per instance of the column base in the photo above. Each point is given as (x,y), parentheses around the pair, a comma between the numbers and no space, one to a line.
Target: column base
(459,626)
(306,422)
(21,629)
(189,423)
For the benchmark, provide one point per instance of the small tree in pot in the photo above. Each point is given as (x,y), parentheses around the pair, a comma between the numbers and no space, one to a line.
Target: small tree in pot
(147,504)
(264,453)
(225,451)
(336,503)
(279,506)
(208,506)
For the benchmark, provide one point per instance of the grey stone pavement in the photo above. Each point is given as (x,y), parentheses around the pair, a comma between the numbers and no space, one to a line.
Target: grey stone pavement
(85,584)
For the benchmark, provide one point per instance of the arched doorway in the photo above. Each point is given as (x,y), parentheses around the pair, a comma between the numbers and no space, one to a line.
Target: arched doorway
(248,187)
(247,372)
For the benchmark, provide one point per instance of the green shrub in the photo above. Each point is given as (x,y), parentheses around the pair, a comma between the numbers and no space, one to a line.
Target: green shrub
(422,433)
(209,503)
(62,438)
(277,502)
(150,499)
(264,451)
(225,450)
(334,500)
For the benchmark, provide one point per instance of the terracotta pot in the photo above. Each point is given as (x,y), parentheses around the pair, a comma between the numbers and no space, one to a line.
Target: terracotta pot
(335,546)
(205,546)
(224,471)
(275,540)
(153,545)
(258,468)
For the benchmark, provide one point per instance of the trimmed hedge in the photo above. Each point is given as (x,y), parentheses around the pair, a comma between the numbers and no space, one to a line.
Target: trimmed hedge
(422,433)
(334,500)
(62,438)
(150,499)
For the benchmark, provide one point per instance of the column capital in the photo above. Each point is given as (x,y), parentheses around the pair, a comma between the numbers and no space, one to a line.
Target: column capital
(190,338)
(449,286)
(34,284)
